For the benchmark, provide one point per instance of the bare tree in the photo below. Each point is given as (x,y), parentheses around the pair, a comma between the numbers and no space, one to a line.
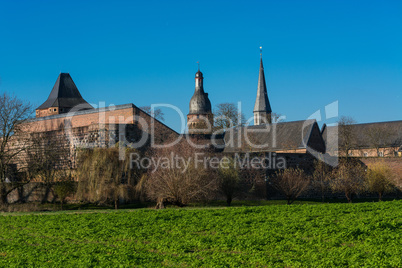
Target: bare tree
(348,178)
(64,186)
(347,137)
(379,179)
(13,141)
(47,155)
(321,177)
(378,136)
(228,179)
(180,179)
(156,113)
(252,178)
(291,183)
(277,117)
(227,115)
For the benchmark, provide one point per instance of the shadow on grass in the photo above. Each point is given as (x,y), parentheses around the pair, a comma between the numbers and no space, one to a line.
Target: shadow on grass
(54,207)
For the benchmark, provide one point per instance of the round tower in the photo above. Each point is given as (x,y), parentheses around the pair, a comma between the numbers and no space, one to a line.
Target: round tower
(200,118)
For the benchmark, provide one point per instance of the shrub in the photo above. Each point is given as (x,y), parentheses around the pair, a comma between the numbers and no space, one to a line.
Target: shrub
(348,178)
(291,183)
(178,184)
(103,178)
(379,179)
(228,180)
(63,188)
(321,175)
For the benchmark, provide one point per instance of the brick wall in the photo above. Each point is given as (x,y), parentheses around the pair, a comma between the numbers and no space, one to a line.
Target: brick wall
(99,128)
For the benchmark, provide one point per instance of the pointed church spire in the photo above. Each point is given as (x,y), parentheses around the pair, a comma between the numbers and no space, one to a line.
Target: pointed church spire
(262,108)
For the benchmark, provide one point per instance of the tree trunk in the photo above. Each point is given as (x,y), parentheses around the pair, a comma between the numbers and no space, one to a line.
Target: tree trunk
(160,203)
(3,195)
(116,203)
(228,200)
(46,195)
(322,192)
(61,202)
(380,196)
(348,197)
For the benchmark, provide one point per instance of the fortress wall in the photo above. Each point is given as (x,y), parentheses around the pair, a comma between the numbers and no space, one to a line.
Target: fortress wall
(81,120)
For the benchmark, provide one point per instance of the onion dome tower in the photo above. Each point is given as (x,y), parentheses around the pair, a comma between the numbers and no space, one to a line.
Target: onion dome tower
(262,108)
(200,118)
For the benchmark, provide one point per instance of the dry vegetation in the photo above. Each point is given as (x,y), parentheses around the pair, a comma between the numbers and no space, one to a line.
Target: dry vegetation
(176,183)
(291,183)
(103,178)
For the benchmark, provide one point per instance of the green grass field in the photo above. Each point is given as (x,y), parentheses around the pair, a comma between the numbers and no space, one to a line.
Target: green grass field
(321,235)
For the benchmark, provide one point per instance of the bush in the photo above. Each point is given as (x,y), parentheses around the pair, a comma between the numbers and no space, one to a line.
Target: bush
(228,180)
(348,178)
(320,180)
(64,188)
(103,178)
(379,179)
(291,183)
(177,184)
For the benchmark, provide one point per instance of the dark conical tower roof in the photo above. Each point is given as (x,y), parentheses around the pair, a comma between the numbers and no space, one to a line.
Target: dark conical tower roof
(65,95)
(262,102)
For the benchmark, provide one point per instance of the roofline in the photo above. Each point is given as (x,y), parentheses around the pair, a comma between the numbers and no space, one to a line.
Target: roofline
(153,118)
(97,110)
(395,121)
(373,148)
(370,123)
(203,113)
(87,111)
(319,131)
(267,111)
(283,122)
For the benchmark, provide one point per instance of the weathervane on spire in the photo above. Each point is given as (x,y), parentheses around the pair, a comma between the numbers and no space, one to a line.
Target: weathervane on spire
(198,65)
(261,51)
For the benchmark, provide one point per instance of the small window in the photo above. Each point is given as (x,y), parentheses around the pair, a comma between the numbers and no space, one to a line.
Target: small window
(50,109)
(381,154)
(365,154)
(54,110)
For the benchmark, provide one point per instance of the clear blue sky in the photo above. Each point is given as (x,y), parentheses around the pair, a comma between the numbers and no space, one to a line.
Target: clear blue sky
(143,52)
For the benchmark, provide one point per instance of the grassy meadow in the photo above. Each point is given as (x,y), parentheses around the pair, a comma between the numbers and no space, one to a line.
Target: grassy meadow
(301,235)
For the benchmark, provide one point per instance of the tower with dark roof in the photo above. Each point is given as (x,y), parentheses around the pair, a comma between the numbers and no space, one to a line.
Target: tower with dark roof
(63,97)
(262,108)
(200,118)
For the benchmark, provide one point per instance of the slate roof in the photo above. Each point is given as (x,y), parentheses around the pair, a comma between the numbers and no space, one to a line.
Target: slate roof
(271,137)
(65,95)
(386,134)
(262,102)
